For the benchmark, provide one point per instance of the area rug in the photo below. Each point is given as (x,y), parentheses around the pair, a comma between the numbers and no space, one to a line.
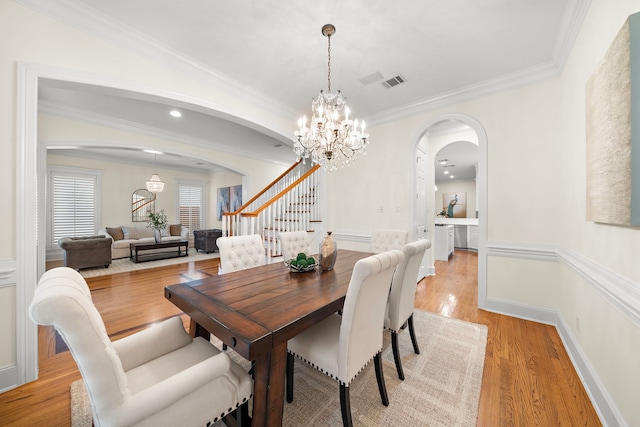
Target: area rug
(124,265)
(441,387)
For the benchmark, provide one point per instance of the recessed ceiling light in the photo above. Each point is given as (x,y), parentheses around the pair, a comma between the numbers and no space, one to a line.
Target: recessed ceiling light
(175,113)
(452,176)
(62,147)
(446,172)
(443,161)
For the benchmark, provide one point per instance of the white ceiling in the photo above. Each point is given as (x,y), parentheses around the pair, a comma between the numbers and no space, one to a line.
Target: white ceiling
(273,51)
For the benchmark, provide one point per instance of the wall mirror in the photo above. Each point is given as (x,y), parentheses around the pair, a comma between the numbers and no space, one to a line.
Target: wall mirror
(142,202)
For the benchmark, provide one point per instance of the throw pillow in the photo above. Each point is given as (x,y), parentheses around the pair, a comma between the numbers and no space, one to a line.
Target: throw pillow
(175,229)
(129,233)
(142,232)
(115,232)
(164,232)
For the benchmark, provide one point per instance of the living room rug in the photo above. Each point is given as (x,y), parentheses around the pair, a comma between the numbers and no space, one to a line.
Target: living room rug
(124,265)
(441,387)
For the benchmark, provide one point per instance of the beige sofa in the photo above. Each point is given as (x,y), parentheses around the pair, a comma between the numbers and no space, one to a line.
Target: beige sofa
(124,235)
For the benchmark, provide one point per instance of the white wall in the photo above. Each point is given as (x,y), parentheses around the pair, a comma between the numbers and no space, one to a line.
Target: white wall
(546,262)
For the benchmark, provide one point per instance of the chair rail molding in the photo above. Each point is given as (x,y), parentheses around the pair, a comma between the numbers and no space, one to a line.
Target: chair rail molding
(352,236)
(622,293)
(7,272)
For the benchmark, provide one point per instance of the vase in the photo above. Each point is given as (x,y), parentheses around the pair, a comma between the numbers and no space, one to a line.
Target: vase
(157,235)
(328,252)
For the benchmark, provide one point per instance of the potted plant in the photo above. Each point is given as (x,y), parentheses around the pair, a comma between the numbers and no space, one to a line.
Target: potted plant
(158,221)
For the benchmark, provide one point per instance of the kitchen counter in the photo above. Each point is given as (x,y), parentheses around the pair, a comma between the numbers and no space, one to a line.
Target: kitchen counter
(465,231)
(456,221)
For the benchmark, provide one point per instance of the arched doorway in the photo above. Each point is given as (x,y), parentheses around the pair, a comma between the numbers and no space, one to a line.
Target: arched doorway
(434,135)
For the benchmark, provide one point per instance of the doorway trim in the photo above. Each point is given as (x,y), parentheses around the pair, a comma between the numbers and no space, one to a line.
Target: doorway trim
(30,176)
(481,188)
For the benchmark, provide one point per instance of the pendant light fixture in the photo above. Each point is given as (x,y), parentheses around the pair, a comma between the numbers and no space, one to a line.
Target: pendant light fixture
(155,184)
(332,138)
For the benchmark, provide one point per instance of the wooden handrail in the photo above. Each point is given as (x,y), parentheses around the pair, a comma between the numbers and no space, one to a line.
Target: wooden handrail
(283,192)
(264,190)
(143,205)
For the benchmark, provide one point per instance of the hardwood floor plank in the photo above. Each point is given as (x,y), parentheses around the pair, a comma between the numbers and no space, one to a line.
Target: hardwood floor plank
(528,378)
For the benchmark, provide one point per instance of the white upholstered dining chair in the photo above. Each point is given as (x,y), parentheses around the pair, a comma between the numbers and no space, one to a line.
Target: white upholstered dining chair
(340,346)
(402,298)
(157,377)
(294,242)
(386,240)
(240,252)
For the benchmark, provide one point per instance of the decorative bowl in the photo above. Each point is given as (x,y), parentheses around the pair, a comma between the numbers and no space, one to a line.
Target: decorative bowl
(296,269)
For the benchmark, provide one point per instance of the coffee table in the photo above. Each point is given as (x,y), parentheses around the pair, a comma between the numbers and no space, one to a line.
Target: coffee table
(137,250)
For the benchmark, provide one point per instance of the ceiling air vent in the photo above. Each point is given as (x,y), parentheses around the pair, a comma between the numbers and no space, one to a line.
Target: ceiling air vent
(395,81)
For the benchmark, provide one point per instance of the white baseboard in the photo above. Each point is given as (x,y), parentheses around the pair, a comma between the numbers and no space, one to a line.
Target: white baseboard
(8,378)
(603,403)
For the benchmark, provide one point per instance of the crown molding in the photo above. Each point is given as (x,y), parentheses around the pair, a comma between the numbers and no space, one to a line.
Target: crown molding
(86,19)
(532,75)
(571,23)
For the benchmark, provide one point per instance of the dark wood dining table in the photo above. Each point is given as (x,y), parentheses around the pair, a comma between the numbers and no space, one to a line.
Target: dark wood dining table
(257,310)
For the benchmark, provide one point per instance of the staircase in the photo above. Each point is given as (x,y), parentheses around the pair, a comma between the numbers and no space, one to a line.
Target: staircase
(289,203)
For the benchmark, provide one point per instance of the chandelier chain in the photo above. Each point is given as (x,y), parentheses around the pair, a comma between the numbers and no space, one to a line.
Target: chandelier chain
(329,64)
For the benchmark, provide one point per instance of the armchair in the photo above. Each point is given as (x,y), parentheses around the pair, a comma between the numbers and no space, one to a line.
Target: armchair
(205,240)
(159,376)
(85,252)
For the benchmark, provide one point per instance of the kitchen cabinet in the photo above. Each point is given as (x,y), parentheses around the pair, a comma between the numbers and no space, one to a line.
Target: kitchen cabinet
(444,242)
(472,237)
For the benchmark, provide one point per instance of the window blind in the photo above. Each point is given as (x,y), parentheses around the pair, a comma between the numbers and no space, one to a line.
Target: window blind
(74,206)
(190,206)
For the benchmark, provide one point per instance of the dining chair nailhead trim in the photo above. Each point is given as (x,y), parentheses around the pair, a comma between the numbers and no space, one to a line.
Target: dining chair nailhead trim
(330,375)
(230,410)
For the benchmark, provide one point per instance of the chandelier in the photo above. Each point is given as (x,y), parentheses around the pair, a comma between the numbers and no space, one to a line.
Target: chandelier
(155,184)
(332,138)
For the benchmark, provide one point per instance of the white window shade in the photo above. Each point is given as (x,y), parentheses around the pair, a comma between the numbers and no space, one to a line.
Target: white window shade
(191,206)
(73,205)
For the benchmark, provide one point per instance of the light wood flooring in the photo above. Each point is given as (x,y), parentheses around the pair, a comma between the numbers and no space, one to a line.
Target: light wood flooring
(528,378)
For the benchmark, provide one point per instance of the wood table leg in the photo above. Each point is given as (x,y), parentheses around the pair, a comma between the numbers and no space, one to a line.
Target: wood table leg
(195,330)
(268,388)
